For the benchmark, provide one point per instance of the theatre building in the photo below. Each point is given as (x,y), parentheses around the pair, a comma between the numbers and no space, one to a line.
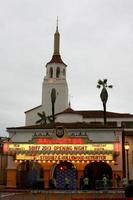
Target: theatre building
(75,144)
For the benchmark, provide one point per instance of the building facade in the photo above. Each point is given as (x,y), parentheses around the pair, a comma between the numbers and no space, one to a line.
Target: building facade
(76,144)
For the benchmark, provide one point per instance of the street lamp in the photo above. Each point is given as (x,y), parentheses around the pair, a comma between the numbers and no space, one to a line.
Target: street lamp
(127,159)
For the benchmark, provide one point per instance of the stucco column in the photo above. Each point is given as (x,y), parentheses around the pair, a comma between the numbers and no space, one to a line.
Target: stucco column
(11,178)
(11,173)
(46,178)
(10,163)
(80,173)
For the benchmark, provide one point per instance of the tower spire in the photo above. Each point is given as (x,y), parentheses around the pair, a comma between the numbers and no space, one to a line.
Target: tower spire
(57,41)
(56,58)
(57,25)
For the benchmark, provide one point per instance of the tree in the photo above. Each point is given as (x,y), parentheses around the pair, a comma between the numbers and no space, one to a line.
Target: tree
(104,94)
(43,118)
(53,99)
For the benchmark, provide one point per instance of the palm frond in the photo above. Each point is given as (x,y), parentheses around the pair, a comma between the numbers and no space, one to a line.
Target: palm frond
(98,86)
(50,118)
(105,81)
(39,114)
(38,121)
(43,113)
(42,119)
(100,82)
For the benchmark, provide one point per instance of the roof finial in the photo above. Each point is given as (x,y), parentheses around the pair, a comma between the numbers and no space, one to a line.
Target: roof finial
(57,41)
(57,25)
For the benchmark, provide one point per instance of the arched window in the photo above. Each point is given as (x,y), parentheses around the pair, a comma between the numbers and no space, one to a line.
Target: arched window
(57,72)
(51,72)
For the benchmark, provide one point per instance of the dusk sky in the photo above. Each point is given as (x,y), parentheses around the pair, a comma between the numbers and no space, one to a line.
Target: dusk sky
(96,42)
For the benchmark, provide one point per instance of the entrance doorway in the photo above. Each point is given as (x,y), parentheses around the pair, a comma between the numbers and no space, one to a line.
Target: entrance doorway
(95,171)
(65,175)
(30,175)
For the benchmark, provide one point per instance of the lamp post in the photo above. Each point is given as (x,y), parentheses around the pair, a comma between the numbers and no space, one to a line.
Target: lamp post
(127,159)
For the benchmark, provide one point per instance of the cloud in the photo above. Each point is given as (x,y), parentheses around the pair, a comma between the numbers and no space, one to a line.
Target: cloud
(96,42)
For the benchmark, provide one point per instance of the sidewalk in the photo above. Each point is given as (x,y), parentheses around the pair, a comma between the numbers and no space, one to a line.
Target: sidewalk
(2,187)
(16,194)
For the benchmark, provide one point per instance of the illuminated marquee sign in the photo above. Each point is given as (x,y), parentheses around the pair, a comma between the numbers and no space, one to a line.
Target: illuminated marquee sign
(66,140)
(65,157)
(42,148)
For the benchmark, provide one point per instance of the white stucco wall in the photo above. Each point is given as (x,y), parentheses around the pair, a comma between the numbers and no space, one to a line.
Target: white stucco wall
(118,120)
(69,118)
(31,116)
(60,85)
(22,136)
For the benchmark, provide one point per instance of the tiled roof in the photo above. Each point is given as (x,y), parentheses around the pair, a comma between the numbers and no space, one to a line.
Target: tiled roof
(68,110)
(76,125)
(56,59)
(99,114)
(96,113)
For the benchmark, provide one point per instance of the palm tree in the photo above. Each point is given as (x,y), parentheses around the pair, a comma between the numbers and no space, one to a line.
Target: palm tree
(51,118)
(104,94)
(53,99)
(43,118)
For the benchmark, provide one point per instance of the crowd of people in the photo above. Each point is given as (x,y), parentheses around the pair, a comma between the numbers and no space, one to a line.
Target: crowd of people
(129,189)
(85,184)
(53,184)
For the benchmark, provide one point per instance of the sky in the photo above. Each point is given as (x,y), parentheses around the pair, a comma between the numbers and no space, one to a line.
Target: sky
(96,42)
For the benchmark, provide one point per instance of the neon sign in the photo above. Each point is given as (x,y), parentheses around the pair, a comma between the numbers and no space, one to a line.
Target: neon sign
(69,157)
(41,140)
(43,148)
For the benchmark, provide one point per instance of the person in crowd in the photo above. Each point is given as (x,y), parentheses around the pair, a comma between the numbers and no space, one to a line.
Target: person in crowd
(118,180)
(115,181)
(129,189)
(124,182)
(86,183)
(67,182)
(105,181)
(54,183)
(50,184)
(81,183)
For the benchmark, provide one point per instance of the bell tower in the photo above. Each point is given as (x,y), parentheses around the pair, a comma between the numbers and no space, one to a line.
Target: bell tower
(55,78)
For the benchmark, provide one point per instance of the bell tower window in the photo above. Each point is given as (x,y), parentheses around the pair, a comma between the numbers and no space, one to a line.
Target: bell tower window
(51,72)
(57,72)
